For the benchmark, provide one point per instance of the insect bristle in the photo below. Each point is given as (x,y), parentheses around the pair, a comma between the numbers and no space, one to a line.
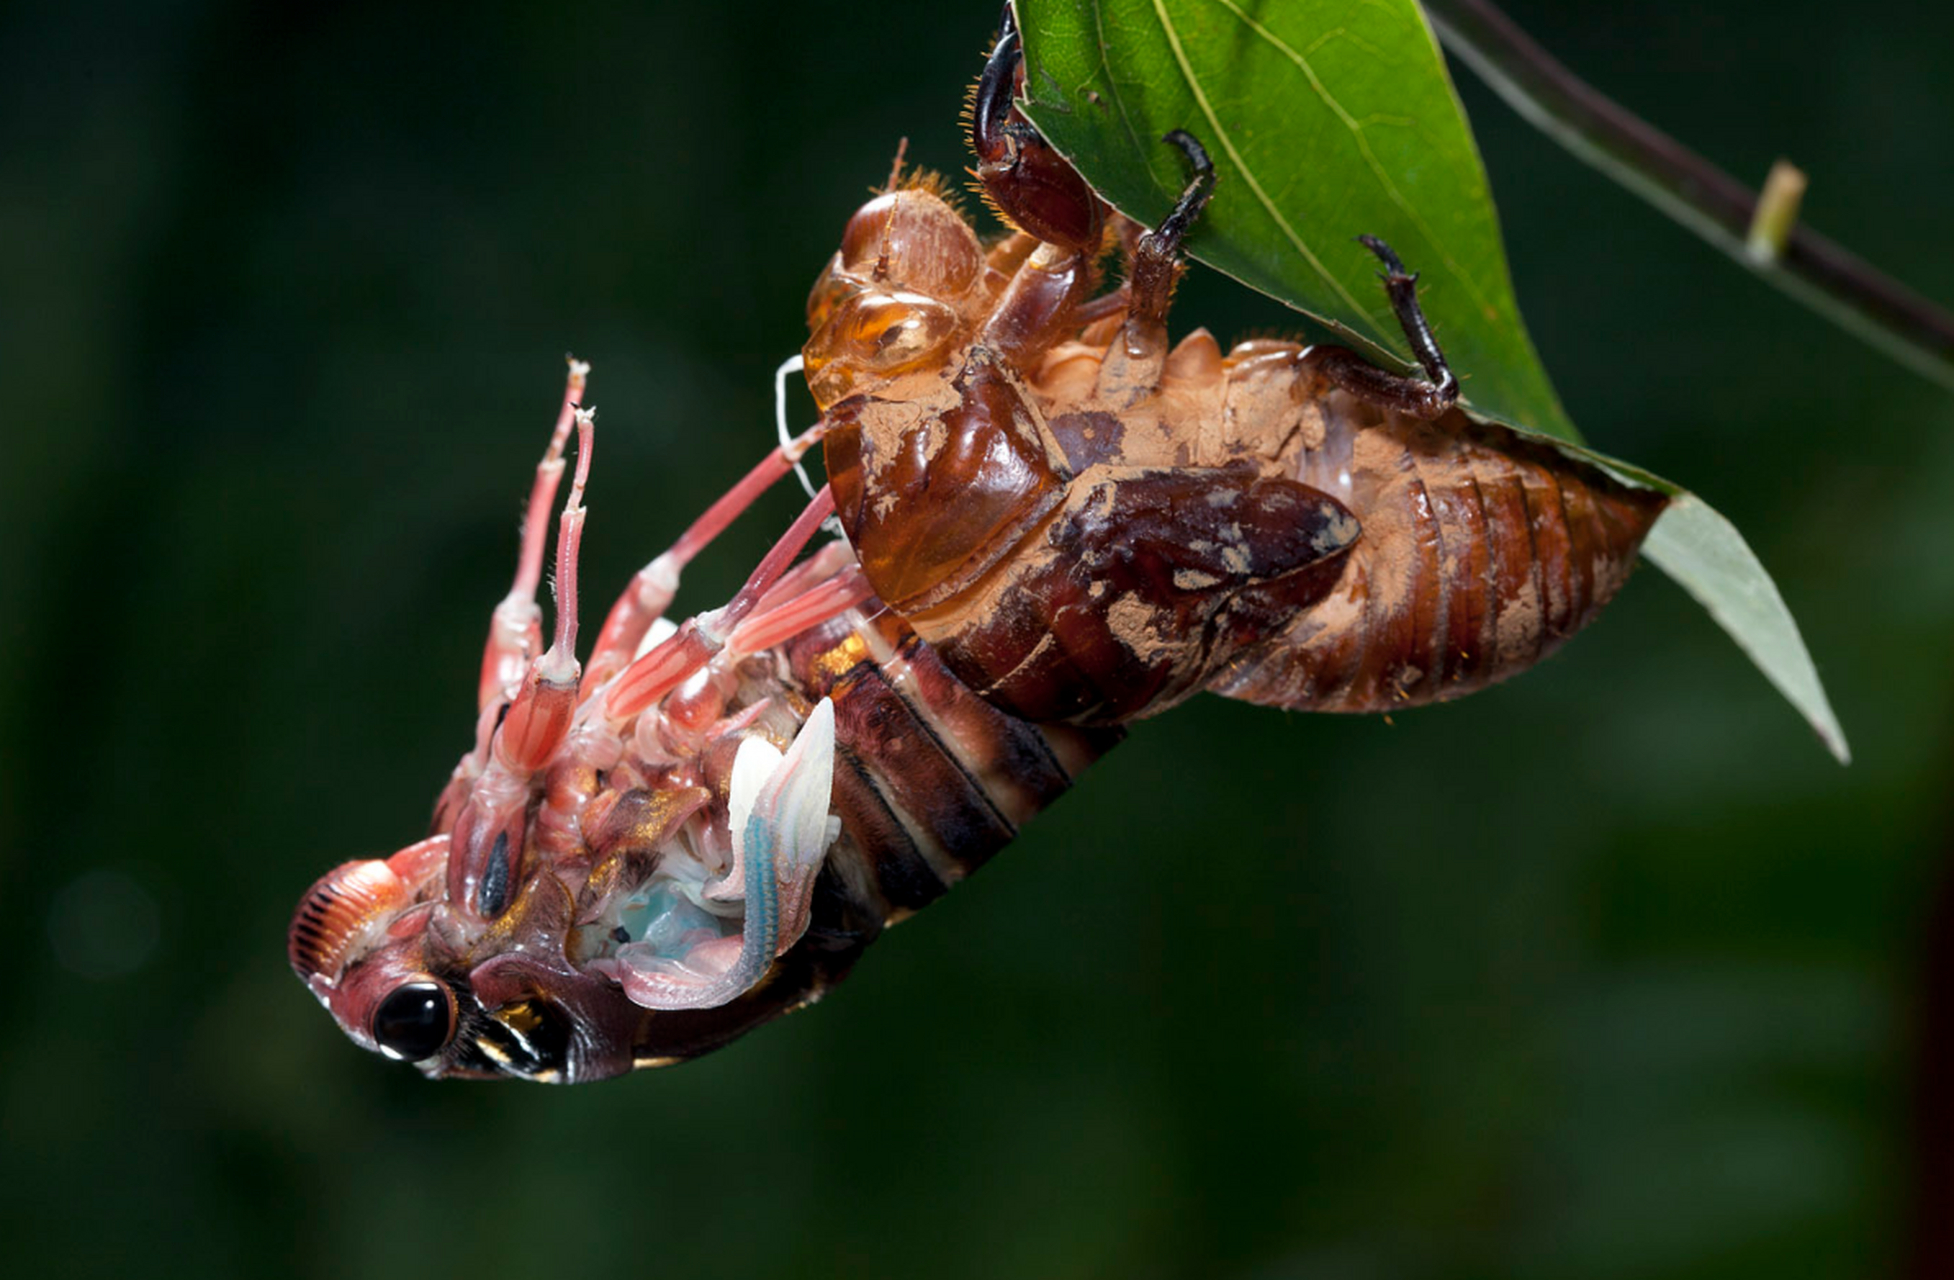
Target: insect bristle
(928,181)
(1268,333)
(976,187)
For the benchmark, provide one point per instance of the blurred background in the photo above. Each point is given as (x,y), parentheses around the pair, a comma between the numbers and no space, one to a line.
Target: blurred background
(1608,972)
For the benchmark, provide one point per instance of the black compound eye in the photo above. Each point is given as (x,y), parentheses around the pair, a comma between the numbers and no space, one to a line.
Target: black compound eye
(415,1021)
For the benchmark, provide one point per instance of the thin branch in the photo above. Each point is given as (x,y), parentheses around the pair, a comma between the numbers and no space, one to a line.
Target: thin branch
(1831,281)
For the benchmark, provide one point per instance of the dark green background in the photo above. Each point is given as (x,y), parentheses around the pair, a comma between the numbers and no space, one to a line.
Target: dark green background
(1610,972)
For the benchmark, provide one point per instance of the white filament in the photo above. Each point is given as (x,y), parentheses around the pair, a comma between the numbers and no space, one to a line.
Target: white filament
(791,365)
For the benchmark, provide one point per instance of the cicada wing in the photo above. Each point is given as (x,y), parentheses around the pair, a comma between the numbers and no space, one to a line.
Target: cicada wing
(779,807)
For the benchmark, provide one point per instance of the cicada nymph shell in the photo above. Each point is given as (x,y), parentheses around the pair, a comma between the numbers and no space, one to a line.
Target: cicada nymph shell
(1090,526)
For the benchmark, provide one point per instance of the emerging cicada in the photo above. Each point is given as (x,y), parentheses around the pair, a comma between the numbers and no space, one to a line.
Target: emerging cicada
(1054,524)
(640,861)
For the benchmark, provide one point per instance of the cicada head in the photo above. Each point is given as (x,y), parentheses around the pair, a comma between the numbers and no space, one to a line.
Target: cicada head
(583,907)
(407,976)
(613,949)
(895,300)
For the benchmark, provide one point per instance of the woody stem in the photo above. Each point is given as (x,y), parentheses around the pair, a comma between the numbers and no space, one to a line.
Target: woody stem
(1817,272)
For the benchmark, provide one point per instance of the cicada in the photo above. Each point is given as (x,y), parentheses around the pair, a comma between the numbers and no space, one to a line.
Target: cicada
(642,859)
(1054,521)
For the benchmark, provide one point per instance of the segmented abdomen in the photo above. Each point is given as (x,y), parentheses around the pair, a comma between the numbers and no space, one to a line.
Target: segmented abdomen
(1481,553)
(930,781)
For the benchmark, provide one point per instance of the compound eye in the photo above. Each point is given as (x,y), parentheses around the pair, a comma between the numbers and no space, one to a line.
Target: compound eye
(896,333)
(415,1021)
(874,336)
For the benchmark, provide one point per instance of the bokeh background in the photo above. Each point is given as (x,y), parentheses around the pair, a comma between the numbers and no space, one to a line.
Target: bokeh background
(1609,972)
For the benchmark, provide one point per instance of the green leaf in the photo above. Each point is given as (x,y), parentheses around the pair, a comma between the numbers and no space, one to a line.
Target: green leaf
(1327,119)
(1706,555)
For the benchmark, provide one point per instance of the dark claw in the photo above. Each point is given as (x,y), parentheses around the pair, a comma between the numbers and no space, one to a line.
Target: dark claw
(1387,256)
(1429,399)
(1032,185)
(1197,155)
(1200,189)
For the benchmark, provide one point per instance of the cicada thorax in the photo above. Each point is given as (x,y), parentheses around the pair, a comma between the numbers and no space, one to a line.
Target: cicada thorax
(1069,585)
(1063,579)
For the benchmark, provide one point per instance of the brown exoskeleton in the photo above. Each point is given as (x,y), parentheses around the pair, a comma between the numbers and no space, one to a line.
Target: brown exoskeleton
(644,857)
(1090,526)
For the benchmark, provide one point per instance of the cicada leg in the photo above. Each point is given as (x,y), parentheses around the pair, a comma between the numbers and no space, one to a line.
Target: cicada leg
(1350,371)
(1029,182)
(826,599)
(651,589)
(1041,304)
(1060,220)
(515,628)
(485,866)
(1154,267)
(540,714)
(668,664)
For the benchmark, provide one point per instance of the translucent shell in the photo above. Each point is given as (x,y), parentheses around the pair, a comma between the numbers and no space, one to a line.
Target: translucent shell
(872,337)
(890,302)
(913,239)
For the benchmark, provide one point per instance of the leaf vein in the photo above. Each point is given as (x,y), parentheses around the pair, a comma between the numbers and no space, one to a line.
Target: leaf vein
(1227,144)
(1376,166)
(1105,63)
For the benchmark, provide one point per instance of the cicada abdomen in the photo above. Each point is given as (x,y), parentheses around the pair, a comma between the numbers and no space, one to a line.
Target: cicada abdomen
(1481,553)
(932,780)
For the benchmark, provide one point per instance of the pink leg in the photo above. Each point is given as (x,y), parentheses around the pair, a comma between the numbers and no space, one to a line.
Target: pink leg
(653,587)
(811,608)
(658,672)
(485,856)
(515,628)
(825,563)
(540,716)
